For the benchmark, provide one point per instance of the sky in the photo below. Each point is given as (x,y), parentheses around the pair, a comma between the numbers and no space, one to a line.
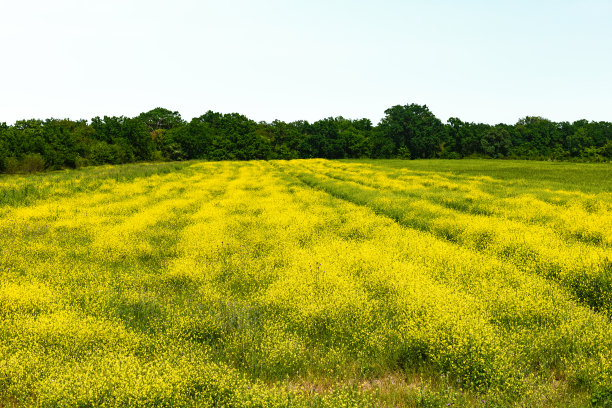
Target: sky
(480,61)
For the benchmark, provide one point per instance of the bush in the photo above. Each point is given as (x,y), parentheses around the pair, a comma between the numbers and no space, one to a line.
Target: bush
(4,152)
(156,155)
(11,165)
(592,154)
(403,153)
(104,153)
(30,163)
(606,150)
(449,155)
(602,398)
(81,162)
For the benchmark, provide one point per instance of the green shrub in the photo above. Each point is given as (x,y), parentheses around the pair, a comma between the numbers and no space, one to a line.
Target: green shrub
(602,398)
(30,163)
(81,162)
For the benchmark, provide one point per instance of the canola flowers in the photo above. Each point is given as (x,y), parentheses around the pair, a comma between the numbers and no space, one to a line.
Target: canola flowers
(302,283)
(570,243)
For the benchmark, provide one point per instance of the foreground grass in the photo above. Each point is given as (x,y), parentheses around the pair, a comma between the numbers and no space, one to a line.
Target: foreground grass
(307,283)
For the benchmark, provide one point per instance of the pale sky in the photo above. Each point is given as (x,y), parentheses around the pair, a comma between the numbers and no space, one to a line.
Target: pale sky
(481,61)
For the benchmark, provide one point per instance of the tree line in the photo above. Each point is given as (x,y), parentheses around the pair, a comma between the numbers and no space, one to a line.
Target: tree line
(409,131)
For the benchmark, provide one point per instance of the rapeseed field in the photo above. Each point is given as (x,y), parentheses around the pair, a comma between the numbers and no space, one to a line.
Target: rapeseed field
(307,283)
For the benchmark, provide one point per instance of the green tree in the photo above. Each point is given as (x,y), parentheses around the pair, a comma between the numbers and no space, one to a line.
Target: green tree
(195,139)
(161,118)
(382,145)
(606,150)
(578,141)
(4,149)
(496,142)
(416,128)
(138,138)
(61,142)
(130,134)
(354,136)
(537,136)
(324,139)
(160,123)
(284,139)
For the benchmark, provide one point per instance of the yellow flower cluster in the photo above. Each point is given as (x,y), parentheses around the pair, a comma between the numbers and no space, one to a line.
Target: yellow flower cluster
(569,243)
(290,283)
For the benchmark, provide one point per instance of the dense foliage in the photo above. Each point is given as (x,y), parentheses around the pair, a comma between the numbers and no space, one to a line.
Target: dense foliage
(410,131)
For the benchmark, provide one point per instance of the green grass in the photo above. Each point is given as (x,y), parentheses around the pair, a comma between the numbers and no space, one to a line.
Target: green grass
(586,177)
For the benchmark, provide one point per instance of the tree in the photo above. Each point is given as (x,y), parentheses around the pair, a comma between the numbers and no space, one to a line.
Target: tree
(284,139)
(253,145)
(160,122)
(160,118)
(496,142)
(195,139)
(537,136)
(63,142)
(409,131)
(415,128)
(130,134)
(353,136)
(578,141)
(606,150)
(324,138)
(4,150)
(382,145)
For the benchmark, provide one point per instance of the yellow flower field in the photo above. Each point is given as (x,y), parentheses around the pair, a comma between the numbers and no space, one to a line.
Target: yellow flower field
(307,283)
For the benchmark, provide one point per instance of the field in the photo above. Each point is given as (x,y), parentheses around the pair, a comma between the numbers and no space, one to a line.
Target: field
(308,283)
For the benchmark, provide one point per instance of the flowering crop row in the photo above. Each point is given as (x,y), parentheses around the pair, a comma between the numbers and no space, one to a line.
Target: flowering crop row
(301,283)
